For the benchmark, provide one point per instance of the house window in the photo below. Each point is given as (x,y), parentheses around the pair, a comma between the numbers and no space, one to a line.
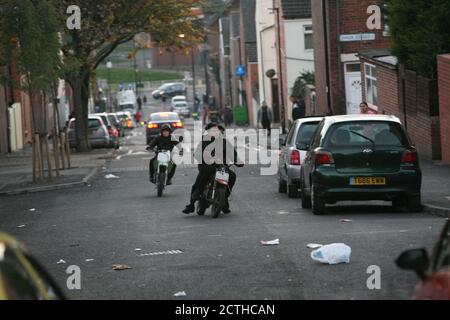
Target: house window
(308,36)
(371,84)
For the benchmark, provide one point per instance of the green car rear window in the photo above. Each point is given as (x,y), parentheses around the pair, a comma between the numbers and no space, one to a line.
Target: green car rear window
(363,133)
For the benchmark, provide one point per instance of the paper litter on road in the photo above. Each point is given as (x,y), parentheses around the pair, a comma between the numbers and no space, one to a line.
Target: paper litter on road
(32,210)
(314,245)
(346,220)
(271,242)
(138,249)
(180,294)
(120,267)
(111,176)
(21,226)
(61,262)
(89,260)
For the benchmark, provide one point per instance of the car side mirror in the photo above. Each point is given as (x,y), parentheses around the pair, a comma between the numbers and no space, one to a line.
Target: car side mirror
(415,260)
(282,142)
(181,139)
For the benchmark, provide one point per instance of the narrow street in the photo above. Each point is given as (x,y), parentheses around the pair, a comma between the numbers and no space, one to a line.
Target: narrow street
(217,258)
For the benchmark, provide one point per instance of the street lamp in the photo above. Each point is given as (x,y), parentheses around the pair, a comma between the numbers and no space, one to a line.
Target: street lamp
(182,36)
(109,66)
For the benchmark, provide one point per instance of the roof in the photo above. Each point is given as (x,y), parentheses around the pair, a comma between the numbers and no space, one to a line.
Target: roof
(383,56)
(296,9)
(363,117)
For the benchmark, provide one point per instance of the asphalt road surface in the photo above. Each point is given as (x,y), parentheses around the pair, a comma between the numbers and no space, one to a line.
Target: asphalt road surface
(216,258)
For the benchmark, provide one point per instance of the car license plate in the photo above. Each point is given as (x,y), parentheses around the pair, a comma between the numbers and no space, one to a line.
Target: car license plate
(367,181)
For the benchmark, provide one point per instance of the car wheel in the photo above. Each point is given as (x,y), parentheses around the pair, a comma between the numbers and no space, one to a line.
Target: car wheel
(318,204)
(282,186)
(414,204)
(293,191)
(306,201)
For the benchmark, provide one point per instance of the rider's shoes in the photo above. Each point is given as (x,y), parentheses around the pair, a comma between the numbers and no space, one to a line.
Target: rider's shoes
(152,180)
(189,209)
(226,210)
(169,183)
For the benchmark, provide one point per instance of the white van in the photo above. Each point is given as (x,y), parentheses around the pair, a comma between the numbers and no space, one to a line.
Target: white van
(127,101)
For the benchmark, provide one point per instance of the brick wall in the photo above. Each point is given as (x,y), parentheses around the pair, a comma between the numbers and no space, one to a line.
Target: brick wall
(444,104)
(343,17)
(417,112)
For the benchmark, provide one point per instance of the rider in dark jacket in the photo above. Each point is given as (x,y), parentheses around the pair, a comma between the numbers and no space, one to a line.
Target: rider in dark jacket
(208,162)
(163,142)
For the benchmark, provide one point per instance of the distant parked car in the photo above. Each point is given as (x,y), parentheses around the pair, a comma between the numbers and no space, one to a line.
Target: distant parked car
(112,130)
(182,108)
(98,135)
(292,155)
(360,157)
(433,271)
(158,119)
(169,90)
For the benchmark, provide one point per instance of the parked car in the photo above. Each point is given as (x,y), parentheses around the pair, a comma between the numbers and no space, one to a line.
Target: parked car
(292,154)
(98,135)
(433,271)
(169,90)
(360,157)
(127,119)
(182,108)
(22,277)
(157,120)
(112,130)
(117,123)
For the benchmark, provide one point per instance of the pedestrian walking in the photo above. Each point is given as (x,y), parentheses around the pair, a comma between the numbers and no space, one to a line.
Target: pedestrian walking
(298,108)
(145,99)
(265,117)
(228,116)
(139,102)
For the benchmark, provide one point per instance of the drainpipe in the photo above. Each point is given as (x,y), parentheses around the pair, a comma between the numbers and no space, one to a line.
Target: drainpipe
(339,51)
(327,61)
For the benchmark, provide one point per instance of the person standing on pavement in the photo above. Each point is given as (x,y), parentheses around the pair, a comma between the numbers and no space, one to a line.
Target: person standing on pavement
(145,99)
(265,117)
(298,108)
(139,102)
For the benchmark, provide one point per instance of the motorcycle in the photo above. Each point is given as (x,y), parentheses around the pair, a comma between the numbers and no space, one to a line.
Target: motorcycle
(215,192)
(162,165)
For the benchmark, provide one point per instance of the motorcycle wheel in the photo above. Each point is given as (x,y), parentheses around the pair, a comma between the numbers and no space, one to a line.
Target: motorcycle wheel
(201,208)
(161,180)
(219,202)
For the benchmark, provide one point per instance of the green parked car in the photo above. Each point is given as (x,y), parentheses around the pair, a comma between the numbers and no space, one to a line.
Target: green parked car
(360,158)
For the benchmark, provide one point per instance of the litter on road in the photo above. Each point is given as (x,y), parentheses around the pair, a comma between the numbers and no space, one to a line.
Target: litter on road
(159,253)
(314,245)
(32,210)
(346,220)
(180,294)
(271,242)
(89,260)
(334,253)
(119,267)
(21,226)
(138,249)
(111,176)
(61,262)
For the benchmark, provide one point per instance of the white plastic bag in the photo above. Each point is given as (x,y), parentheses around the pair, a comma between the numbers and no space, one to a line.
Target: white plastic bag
(332,254)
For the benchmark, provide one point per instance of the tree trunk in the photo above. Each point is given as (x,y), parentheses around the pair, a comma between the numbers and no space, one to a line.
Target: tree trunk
(81,97)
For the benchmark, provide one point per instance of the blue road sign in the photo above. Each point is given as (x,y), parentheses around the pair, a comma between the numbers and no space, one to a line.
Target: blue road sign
(240,71)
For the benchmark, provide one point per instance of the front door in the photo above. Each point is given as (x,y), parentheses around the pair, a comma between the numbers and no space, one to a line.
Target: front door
(353,89)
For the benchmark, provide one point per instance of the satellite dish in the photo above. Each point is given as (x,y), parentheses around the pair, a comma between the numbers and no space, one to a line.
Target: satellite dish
(270,73)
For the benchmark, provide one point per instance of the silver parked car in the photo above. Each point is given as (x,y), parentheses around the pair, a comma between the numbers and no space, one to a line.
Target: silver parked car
(291,155)
(98,134)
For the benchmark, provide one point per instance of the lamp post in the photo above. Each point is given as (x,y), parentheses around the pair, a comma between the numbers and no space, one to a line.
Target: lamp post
(109,66)
(194,94)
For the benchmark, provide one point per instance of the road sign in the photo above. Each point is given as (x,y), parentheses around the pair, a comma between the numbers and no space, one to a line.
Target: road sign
(240,71)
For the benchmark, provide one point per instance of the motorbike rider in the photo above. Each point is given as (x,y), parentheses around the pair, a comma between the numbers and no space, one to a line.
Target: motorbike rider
(208,162)
(163,142)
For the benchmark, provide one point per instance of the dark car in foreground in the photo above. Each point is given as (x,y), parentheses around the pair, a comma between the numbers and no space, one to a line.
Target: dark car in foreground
(158,119)
(359,158)
(433,271)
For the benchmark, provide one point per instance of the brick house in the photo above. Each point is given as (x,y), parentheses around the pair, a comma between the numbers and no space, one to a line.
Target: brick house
(341,30)
(444,105)
(393,90)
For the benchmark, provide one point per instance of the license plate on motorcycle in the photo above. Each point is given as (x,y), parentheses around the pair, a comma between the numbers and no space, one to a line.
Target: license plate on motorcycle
(367,181)
(222,176)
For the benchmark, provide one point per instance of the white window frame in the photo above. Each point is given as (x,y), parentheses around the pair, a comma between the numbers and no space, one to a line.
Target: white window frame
(308,32)
(372,79)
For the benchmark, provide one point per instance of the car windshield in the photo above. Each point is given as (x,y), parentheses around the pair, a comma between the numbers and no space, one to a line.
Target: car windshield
(164,117)
(363,133)
(306,132)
